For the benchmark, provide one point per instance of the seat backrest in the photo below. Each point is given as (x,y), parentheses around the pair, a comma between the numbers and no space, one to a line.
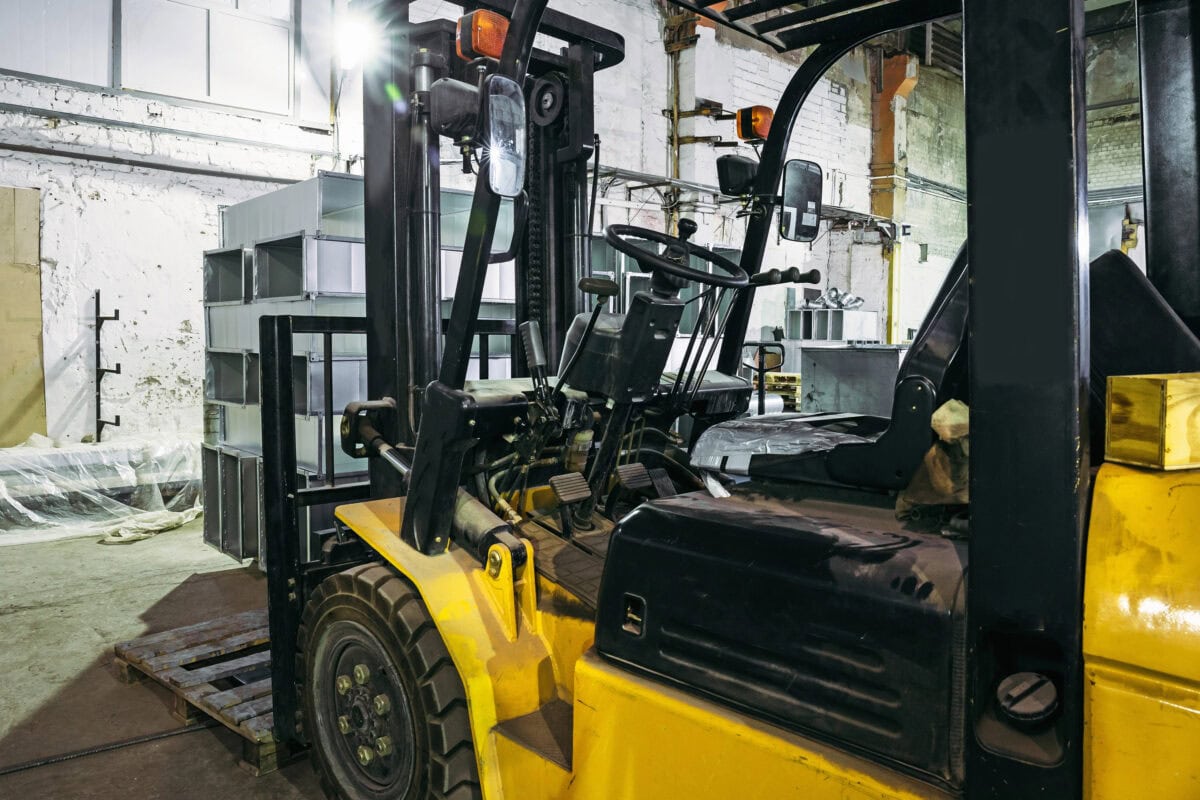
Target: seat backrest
(930,374)
(1134,332)
(943,332)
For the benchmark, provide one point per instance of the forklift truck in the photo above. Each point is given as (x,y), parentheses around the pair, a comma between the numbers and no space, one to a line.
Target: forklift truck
(535,601)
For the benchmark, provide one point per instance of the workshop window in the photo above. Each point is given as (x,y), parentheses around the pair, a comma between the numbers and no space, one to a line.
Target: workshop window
(221,51)
(272,56)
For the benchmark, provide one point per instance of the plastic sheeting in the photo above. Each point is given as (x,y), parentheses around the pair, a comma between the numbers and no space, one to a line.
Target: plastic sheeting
(123,490)
(943,479)
(727,447)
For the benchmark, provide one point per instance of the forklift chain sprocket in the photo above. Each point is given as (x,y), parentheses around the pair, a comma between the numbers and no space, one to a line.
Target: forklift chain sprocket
(384,708)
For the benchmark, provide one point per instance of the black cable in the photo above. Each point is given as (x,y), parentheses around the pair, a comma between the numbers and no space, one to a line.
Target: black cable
(105,748)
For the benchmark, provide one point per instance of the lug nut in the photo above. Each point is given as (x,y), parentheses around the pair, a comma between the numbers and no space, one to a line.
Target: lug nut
(361,674)
(365,755)
(382,704)
(344,724)
(343,684)
(383,745)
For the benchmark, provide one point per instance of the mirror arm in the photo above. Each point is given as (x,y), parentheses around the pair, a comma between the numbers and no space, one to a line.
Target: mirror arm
(520,208)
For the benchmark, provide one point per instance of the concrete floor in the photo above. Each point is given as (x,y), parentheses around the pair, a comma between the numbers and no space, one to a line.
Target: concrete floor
(63,605)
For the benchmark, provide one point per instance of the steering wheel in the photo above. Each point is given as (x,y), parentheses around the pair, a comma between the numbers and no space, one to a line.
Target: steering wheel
(618,237)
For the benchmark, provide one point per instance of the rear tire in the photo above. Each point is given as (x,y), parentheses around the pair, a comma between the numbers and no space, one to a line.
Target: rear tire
(366,634)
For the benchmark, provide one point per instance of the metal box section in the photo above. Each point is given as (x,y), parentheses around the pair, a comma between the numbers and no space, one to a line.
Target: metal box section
(858,379)
(833,325)
(228,275)
(225,377)
(235,327)
(296,251)
(234,522)
(308,384)
(301,265)
(1154,420)
(330,204)
(241,428)
(241,512)
(210,475)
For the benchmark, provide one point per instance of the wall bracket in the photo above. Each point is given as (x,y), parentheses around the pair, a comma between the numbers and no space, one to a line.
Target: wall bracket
(102,371)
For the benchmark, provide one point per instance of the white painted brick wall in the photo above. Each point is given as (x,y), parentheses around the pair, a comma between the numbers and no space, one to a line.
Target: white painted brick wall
(137,234)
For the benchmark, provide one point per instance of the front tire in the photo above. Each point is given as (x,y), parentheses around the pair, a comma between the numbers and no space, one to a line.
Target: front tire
(384,708)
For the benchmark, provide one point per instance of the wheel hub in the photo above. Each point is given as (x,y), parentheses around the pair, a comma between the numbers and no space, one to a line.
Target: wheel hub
(367,713)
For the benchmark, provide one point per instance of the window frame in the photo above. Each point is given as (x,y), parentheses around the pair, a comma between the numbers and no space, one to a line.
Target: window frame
(116,48)
(293,27)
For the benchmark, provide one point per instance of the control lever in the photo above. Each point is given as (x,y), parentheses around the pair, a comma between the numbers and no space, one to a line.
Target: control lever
(668,285)
(772,277)
(535,356)
(602,289)
(768,277)
(686,228)
(794,275)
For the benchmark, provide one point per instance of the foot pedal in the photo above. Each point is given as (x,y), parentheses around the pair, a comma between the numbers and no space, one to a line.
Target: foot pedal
(662,482)
(570,488)
(635,477)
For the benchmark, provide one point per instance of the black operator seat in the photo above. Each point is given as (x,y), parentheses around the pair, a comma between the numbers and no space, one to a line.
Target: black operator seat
(1133,331)
(852,449)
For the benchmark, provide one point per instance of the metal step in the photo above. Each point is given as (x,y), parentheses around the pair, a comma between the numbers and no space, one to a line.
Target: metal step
(547,732)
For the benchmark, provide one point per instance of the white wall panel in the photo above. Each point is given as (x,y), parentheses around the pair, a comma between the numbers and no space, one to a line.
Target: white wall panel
(64,39)
(250,63)
(164,48)
(315,60)
(280,9)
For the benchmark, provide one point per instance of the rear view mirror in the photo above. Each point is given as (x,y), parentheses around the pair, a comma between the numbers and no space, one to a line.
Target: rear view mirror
(735,175)
(504,136)
(800,216)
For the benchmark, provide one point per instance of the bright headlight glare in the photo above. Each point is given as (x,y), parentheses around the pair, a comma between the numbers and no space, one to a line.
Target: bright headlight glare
(356,40)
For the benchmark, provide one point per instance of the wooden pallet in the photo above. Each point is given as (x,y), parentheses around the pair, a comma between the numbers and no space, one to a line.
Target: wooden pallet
(779,381)
(220,669)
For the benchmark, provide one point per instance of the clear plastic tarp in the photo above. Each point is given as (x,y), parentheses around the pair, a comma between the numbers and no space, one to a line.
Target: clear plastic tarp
(123,491)
(727,447)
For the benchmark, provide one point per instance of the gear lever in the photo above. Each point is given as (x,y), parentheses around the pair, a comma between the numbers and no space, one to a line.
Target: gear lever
(668,284)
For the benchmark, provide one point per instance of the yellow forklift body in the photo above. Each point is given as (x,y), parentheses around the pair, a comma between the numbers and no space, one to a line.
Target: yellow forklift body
(633,738)
(1142,635)
(520,641)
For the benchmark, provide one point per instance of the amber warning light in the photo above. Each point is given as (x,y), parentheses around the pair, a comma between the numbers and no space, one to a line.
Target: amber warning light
(481,35)
(754,123)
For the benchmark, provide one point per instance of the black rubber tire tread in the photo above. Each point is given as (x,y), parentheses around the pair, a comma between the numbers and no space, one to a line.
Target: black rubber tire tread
(438,697)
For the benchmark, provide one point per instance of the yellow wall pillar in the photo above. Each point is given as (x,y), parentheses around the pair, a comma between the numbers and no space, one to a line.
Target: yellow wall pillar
(896,78)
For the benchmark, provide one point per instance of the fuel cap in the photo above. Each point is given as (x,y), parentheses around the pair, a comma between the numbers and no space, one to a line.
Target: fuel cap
(1027,699)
